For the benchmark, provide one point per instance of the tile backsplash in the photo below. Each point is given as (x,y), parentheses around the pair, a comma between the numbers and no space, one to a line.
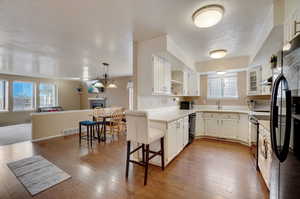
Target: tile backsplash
(152,102)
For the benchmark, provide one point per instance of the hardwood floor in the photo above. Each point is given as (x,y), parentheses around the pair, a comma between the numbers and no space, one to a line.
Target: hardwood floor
(206,169)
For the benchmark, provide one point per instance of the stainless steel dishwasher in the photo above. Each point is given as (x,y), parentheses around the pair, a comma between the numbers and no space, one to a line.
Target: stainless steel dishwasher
(192,127)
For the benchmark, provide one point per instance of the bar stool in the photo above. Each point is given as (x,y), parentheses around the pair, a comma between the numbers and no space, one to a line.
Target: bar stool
(138,131)
(90,131)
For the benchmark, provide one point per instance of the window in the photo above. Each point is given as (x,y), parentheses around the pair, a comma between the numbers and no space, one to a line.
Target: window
(23,96)
(47,94)
(130,94)
(224,86)
(3,95)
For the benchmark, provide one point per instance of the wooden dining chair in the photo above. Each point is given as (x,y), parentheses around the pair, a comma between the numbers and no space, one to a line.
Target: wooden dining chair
(97,117)
(115,123)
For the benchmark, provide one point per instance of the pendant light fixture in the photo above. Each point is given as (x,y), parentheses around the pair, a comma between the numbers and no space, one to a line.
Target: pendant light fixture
(103,81)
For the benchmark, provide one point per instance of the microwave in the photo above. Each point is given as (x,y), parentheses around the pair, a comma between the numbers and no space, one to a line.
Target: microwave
(186,105)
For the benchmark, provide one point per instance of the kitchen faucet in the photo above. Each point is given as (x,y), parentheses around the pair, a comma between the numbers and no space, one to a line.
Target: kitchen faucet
(218,103)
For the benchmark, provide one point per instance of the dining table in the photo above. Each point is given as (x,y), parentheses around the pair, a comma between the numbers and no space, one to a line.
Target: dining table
(103,120)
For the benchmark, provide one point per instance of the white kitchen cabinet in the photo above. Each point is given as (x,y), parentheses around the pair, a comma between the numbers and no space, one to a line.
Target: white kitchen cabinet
(243,129)
(200,128)
(179,136)
(292,16)
(185,131)
(232,126)
(161,76)
(212,127)
(171,139)
(228,128)
(193,84)
(185,83)
(254,81)
(264,154)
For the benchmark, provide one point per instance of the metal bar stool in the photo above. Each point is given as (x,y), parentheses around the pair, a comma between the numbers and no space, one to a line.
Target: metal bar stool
(138,131)
(90,131)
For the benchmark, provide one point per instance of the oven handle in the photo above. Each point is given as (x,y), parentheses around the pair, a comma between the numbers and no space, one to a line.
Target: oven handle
(282,153)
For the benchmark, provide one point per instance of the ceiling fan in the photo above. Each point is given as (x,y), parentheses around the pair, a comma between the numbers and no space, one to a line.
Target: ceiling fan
(103,81)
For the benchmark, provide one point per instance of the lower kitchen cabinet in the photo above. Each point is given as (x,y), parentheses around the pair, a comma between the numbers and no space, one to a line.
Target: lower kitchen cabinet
(232,126)
(212,127)
(228,128)
(185,131)
(176,138)
(171,140)
(264,154)
(200,130)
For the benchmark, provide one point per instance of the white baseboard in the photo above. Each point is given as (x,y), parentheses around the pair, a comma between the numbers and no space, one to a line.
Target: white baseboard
(223,139)
(46,138)
(51,137)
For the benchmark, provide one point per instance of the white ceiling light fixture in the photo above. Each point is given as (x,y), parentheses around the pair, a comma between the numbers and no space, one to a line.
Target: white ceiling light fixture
(208,16)
(217,54)
(221,72)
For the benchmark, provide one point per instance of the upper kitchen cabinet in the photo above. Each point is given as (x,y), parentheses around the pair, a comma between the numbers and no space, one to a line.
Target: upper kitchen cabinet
(291,20)
(161,76)
(161,67)
(254,80)
(266,76)
(185,83)
(193,84)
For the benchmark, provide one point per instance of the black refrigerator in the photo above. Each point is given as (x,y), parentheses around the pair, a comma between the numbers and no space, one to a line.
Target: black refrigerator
(284,124)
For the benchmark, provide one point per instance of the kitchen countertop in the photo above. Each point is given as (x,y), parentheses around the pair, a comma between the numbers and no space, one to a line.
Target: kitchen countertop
(172,115)
(265,124)
(169,116)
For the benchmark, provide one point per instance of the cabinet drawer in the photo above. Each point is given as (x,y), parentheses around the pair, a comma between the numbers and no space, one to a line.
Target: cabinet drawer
(186,119)
(232,116)
(210,115)
(172,124)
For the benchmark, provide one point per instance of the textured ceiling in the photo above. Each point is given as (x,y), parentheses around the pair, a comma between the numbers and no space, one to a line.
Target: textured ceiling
(58,38)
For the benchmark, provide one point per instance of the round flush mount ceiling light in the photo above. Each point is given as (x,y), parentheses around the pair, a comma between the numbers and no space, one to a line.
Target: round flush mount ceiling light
(208,16)
(217,54)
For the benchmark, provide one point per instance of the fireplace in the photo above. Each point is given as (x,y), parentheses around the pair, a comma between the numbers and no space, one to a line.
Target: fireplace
(97,102)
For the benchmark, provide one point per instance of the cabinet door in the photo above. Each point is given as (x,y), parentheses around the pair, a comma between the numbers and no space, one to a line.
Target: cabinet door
(200,130)
(229,128)
(161,76)
(185,131)
(189,85)
(254,80)
(212,127)
(179,136)
(197,84)
(171,141)
(156,75)
(185,83)
(167,78)
(244,131)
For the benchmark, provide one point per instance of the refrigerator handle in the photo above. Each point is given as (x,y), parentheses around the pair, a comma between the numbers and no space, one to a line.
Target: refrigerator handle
(280,152)
(286,145)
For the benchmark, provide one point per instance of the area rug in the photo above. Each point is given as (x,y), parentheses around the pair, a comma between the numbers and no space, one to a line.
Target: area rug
(37,174)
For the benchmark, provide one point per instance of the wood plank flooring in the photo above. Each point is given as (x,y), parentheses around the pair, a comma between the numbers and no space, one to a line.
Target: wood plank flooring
(206,169)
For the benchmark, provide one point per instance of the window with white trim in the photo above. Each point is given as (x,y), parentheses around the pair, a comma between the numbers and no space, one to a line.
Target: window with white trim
(23,96)
(3,95)
(222,86)
(48,95)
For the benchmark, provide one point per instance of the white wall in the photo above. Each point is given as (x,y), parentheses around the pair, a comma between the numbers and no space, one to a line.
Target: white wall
(115,96)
